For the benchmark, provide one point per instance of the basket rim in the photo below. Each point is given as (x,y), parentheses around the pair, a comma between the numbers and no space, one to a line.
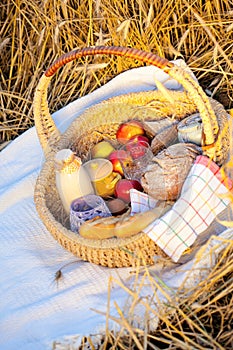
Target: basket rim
(48,166)
(40,196)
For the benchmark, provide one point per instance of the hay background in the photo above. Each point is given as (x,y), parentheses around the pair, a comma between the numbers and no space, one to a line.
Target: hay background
(34,33)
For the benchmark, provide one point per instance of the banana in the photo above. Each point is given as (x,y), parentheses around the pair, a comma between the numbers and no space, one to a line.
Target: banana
(121,226)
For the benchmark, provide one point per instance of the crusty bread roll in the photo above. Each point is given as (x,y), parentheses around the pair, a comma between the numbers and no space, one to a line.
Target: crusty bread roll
(166,173)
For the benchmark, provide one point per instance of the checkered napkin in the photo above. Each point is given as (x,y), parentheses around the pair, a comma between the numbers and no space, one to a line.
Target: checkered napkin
(202,198)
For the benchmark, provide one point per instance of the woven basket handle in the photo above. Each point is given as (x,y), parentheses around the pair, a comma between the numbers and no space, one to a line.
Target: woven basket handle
(47,130)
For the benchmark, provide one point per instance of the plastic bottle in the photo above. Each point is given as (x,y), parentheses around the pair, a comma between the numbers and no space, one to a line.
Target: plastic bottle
(72,180)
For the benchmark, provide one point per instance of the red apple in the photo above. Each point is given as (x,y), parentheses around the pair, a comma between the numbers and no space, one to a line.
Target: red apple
(141,139)
(137,149)
(129,129)
(117,157)
(137,146)
(123,186)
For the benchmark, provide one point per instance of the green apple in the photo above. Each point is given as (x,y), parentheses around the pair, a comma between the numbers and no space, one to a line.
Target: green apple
(102,150)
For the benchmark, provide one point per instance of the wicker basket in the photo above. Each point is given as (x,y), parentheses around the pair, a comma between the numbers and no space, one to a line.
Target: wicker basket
(101,122)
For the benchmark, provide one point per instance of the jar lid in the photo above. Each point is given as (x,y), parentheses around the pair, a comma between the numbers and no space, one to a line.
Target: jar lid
(193,122)
(98,168)
(64,155)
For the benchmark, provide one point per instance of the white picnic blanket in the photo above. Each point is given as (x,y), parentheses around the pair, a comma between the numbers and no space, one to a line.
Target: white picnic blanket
(36,311)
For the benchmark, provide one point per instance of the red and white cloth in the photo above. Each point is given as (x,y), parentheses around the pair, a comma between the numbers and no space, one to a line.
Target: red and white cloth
(203,197)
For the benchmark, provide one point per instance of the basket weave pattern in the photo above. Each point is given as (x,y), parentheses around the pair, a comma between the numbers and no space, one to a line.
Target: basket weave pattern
(104,119)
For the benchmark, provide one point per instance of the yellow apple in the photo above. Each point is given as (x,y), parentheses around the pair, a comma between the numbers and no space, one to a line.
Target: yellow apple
(102,150)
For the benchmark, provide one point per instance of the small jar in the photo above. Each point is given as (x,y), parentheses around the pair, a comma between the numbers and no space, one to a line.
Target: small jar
(190,129)
(87,208)
(72,180)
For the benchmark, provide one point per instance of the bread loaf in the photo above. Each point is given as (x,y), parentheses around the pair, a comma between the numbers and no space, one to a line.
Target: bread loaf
(166,173)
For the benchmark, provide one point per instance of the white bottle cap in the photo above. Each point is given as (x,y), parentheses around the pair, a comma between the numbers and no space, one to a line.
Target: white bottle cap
(64,155)
(66,161)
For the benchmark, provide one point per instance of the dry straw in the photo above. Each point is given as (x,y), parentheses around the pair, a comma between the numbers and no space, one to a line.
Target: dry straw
(34,33)
(200,32)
